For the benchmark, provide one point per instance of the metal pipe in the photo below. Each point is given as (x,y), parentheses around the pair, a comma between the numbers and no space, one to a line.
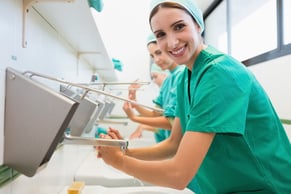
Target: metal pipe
(68,139)
(91,89)
(115,83)
(106,121)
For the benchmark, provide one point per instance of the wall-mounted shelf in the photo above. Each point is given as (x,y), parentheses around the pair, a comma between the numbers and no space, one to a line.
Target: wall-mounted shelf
(73,20)
(26,6)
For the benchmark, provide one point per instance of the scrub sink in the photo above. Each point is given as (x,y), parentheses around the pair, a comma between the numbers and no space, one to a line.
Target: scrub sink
(94,171)
(130,190)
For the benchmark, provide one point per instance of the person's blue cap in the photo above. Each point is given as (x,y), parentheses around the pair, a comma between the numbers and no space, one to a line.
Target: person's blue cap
(189,5)
(151,38)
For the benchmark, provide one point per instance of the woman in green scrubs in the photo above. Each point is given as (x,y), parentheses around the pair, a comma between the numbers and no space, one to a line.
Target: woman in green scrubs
(226,132)
(158,76)
(167,98)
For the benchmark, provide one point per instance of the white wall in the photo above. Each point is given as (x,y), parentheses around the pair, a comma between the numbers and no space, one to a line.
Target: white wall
(46,52)
(124,28)
(275,77)
(49,54)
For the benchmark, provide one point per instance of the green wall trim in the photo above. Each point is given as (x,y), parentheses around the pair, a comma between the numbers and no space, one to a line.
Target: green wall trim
(7,174)
(286,121)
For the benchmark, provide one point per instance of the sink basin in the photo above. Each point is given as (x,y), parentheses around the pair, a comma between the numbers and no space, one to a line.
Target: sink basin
(93,171)
(90,189)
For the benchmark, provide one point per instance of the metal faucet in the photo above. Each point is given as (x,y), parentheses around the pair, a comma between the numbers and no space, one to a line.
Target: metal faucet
(68,139)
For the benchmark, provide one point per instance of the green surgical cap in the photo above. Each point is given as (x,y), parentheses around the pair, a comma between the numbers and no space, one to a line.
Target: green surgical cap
(189,5)
(151,38)
(156,69)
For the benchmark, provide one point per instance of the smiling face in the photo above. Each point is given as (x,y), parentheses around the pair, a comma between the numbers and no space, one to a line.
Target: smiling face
(177,34)
(158,78)
(160,58)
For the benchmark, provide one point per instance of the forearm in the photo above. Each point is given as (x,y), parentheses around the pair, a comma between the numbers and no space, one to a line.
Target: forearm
(143,127)
(159,122)
(162,150)
(177,171)
(148,128)
(153,166)
(163,164)
(146,112)
(154,172)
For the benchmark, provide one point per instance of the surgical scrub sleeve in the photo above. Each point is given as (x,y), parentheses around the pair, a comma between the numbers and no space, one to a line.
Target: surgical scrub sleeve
(167,99)
(251,152)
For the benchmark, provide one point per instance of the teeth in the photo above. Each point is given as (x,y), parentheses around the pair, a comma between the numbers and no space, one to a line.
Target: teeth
(178,51)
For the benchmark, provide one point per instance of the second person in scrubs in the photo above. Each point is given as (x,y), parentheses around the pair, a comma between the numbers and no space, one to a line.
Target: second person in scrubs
(167,98)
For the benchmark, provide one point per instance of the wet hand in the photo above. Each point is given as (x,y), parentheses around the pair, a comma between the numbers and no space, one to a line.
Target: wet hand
(137,133)
(132,90)
(111,155)
(114,133)
(127,107)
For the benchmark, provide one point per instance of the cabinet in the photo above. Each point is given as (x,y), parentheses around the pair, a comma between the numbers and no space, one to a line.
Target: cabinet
(74,21)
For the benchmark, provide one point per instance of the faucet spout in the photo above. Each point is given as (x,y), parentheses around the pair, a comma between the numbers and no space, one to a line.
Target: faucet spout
(123,144)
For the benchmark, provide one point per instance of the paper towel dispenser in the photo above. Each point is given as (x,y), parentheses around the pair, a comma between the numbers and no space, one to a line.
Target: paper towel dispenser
(83,114)
(36,117)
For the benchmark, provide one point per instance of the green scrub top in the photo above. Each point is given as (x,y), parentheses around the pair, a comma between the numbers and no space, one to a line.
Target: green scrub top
(167,100)
(251,152)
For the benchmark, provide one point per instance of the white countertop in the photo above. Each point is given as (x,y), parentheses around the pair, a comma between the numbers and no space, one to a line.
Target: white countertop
(130,190)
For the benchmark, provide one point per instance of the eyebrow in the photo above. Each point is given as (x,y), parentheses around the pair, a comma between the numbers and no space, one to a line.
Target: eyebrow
(179,21)
(172,25)
(157,31)
(158,51)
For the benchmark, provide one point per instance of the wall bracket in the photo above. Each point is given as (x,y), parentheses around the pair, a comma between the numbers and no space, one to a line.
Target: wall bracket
(26,5)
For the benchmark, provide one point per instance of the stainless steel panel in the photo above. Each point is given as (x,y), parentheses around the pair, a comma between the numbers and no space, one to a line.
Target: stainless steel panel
(35,120)
(83,113)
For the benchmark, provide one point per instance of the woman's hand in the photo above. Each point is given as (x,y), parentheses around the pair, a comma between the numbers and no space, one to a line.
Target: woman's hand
(114,133)
(137,133)
(127,107)
(111,155)
(132,90)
